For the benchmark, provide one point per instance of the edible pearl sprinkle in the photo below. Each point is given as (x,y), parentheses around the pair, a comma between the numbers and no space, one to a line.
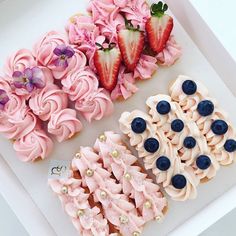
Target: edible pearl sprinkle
(80,213)
(148,204)
(89,172)
(123,219)
(158,218)
(128,176)
(115,154)
(78,155)
(102,138)
(103,194)
(136,233)
(64,190)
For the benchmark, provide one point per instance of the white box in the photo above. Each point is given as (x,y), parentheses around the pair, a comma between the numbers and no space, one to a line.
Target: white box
(22,23)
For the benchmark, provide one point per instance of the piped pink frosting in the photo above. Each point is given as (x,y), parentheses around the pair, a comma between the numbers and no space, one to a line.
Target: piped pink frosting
(43,52)
(36,144)
(48,101)
(95,106)
(170,53)
(64,124)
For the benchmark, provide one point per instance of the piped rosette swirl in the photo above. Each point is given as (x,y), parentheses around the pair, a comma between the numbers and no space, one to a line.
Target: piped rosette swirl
(119,211)
(86,218)
(209,117)
(118,160)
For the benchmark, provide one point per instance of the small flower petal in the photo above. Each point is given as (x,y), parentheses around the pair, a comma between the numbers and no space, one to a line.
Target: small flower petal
(17,75)
(59,50)
(28,73)
(61,63)
(3,97)
(29,87)
(69,52)
(38,83)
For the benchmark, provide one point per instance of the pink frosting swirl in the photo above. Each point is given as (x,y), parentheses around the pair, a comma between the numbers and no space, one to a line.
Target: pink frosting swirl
(85,34)
(48,101)
(80,84)
(19,124)
(137,11)
(34,145)
(95,106)
(170,54)
(125,87)
(64,124)
(19,61)
(146,67)
(44,54)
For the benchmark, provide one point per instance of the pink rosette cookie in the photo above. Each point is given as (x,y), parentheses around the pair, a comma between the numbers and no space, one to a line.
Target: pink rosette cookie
(80,84)
(116,206)
(47,101)
(146,67)
(170,53)
(53,51)
(64,124)
(86,219)
(95,106)
(125,87)
(135,184)
(33,146)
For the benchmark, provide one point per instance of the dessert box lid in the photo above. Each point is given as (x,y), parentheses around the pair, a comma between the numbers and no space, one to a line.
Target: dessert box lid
(37,17)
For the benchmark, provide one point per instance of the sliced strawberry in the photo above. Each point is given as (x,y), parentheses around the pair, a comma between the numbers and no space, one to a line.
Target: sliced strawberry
(131,44)
(159,27)
(107,62)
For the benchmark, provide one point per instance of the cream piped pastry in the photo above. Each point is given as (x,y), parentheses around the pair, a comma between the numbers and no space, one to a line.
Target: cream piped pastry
(86,217)
(118,160)
(209,117)
(118,210)
(159,155)
(183,134)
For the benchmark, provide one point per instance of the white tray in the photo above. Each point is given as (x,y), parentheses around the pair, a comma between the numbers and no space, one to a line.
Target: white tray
(22,22)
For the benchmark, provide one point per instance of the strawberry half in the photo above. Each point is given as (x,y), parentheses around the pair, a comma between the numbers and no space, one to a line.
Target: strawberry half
(131,44)
(107,62)
(159,27)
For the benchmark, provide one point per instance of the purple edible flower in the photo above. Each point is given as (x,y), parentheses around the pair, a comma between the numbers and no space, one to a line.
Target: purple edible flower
(3,98)
(29,79)
(64,53)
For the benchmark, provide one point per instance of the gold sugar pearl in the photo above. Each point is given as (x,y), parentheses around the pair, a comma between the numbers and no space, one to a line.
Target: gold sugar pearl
(128,176)
(147,204)
(78,155)
(64,190)
(102,138)
(115,154)
(158,218)
(80,213)
(103,194)
(123,219)
(89,172)
(136,233)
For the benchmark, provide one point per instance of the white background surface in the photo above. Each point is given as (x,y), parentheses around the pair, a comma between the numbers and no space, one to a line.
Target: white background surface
(221,22)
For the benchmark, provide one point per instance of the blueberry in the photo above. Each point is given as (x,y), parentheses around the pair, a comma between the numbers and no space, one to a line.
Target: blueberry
(189,87)
(203,162)
(179,181)
(177,125)
(205,108)
(189,142)
(138,125)
(151,145)
(230,145)
(163,107)
(219,127)
(163,163)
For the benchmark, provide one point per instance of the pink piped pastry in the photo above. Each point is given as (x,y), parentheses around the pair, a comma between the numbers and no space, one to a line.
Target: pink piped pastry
(115,186)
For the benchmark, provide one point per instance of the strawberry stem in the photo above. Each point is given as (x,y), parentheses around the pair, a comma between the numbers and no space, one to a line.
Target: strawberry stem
(110,46)
(158,9)
(129,25)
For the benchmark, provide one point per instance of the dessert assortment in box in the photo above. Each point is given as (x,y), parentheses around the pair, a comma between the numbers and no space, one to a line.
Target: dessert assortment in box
(183,139)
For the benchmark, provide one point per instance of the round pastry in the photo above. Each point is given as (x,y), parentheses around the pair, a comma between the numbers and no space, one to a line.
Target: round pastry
(64,124)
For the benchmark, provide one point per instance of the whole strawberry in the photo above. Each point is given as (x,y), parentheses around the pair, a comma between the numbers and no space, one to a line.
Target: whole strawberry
(107,62)
(131,44)
(159,27)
